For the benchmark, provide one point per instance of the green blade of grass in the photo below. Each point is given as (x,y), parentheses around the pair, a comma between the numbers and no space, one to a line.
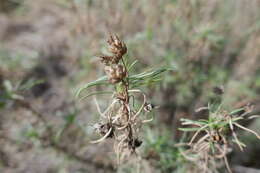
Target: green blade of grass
(146,75)
(189,129)
(190,122)
(236,111)
(132,65)
(101,81)
(96,93)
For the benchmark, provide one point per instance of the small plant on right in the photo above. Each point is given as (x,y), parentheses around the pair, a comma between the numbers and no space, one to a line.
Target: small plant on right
(213,137)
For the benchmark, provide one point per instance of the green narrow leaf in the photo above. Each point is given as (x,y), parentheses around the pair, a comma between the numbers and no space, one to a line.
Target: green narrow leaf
(236,119)
(96,93)
(189,129)
(101,81)
(8,85)
(188,121)
(30,83)
(146,77)
(132,65)
(236,111)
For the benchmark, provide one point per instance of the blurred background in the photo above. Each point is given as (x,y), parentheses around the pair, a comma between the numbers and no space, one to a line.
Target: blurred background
(48,49)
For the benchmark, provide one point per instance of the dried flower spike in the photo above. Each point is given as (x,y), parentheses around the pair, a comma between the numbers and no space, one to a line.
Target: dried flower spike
(116,46)
(115,73)
(107,60)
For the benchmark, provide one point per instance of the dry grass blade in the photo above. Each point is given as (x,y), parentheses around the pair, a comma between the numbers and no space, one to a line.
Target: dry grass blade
(197,133)
(249,130)
(103,138)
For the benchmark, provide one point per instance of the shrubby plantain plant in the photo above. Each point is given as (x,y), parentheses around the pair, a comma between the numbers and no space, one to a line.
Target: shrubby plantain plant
(121,120)
(214,137)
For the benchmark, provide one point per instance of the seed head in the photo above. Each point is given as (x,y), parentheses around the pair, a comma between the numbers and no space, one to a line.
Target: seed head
(116,46)
(115,73)
(107,60)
